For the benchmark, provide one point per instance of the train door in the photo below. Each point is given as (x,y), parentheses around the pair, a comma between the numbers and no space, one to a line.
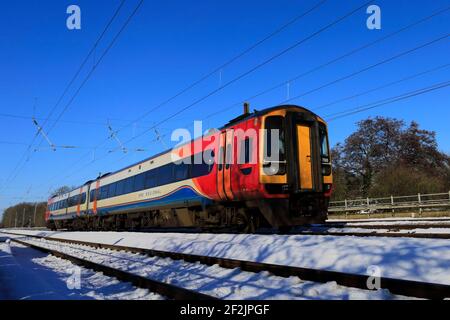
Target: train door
(229,164)
(224,165)
(79,201)
(220,166)
(305,167)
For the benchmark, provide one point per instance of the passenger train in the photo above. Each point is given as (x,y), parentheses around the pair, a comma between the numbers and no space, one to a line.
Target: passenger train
(268,168)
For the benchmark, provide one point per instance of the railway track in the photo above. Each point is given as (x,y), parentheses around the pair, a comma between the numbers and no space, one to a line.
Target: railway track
(395,286)
(373,230)
(387,226)
(387,220)
(376,234)
(168,290)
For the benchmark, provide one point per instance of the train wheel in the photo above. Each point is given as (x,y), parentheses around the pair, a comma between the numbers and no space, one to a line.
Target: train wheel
(246,222)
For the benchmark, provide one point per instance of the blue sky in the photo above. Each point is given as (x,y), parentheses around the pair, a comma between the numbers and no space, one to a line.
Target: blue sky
(169,45)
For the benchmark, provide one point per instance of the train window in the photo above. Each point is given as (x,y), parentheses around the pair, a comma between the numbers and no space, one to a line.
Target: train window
(324,148)
(120,187)
(228,156)
(274,147)
(245,152)
(165,174)
(150,179)
(129,185)
(180,171)
(209,157)
(199,170)
(83,198)
(103,194)
(139,182)
(112,190)
(220,158)
(203,168)
(92,195)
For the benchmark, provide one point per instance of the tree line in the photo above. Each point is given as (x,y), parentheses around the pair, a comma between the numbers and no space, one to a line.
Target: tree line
(29,214)
(386,156)
(24,214)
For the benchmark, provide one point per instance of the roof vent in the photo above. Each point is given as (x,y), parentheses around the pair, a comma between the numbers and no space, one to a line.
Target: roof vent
(246,108)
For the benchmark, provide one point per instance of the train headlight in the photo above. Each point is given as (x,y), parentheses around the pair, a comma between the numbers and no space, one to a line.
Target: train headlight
(326,169)
(274,168)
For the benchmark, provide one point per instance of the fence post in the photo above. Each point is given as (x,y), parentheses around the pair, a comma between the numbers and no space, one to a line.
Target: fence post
(346,206)
(34,219)
(392,205)
(368,207)
(23,218)
(420,204)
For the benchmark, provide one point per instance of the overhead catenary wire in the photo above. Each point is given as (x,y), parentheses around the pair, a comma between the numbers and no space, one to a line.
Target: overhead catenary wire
(384,61)
(80,122)
(384,86)
(133,13)
(379,103)
(24,156)
(332,61)
(253,69)
(97,63)
(225,64)
(235,58)
(258,43)
(265,62)
(384,37)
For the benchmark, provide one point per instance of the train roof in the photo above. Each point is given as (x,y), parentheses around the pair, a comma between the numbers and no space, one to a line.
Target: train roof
(258,113)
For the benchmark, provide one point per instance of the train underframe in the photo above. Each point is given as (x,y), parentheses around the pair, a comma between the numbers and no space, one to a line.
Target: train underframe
(246,216)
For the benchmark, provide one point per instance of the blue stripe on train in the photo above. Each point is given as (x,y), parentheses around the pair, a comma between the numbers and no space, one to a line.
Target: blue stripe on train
(183,197)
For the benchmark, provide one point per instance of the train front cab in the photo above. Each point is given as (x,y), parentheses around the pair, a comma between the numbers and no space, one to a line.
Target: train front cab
(298,186)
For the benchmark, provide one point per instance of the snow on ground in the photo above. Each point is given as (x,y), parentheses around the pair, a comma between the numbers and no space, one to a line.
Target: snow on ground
(214,280)
(425,260)
(27,274)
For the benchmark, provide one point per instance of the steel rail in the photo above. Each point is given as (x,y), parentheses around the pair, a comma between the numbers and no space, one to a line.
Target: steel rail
(396,286)
(383,226)
(376,234)
(162,288)
(387,220)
